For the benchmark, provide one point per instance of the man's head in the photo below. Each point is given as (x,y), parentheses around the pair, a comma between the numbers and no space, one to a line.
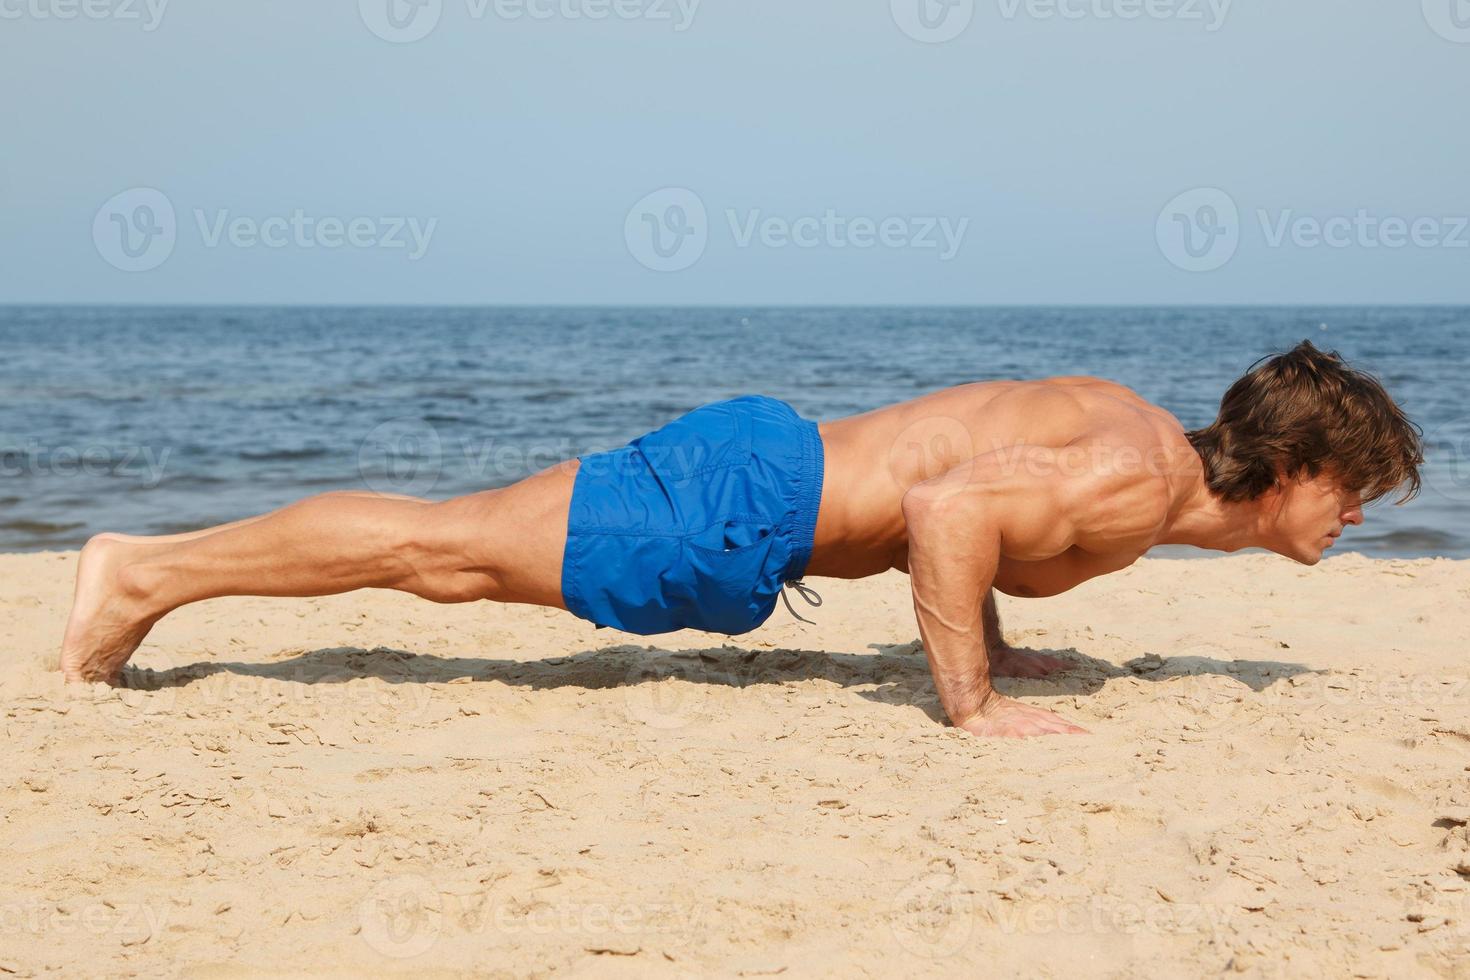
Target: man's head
(1308,441)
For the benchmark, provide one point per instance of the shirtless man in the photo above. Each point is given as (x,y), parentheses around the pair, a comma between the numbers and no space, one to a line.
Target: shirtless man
(1029,487)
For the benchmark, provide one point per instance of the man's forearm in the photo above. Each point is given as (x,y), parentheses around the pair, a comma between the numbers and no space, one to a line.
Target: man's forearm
(952,562)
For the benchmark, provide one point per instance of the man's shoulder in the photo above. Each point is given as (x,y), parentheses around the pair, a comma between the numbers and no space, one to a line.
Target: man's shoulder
(1133,472)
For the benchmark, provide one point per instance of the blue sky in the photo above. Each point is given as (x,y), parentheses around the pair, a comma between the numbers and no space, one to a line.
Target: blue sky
(674,151)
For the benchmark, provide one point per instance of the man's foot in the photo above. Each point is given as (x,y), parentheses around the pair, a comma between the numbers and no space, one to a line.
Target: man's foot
(109,617)
(1010,662)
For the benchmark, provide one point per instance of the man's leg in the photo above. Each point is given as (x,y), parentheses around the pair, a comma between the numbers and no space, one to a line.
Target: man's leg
(501,544)
(1005,660)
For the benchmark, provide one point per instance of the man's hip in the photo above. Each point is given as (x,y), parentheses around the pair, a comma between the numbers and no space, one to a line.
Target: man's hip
(697,524)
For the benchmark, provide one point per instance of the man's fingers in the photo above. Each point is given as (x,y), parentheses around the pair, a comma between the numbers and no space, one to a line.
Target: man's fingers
(1055,724)
(1018,720)
(1040,726)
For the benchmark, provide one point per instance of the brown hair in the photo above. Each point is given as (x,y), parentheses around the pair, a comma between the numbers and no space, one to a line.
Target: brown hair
(1306,410)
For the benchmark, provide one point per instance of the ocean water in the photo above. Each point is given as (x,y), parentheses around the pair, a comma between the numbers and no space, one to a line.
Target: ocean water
(156,420)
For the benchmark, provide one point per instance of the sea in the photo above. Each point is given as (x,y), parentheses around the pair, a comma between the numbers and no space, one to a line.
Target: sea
(154,420)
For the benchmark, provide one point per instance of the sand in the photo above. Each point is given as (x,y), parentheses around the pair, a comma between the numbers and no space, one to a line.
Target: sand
(1277,783)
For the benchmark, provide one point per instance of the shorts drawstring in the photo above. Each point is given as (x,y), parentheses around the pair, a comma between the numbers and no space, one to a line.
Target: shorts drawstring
(806,592)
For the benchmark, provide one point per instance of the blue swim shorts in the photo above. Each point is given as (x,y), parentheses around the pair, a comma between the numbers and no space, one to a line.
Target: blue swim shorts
(696,525)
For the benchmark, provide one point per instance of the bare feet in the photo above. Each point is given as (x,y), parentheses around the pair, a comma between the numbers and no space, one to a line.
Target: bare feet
(109,616)
(1010,662)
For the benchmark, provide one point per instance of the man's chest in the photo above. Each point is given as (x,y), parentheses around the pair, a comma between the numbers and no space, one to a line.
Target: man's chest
(1059,573)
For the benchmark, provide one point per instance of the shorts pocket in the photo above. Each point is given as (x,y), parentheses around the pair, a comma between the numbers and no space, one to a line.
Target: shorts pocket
(709,438)
(728,562)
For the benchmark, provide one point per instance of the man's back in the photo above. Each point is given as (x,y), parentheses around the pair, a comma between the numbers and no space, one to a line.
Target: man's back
(873,459)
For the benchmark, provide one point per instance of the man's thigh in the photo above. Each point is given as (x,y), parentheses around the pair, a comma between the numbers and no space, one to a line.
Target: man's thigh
(514,535)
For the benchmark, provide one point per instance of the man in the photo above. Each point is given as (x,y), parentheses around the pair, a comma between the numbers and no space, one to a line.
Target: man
(1029,487)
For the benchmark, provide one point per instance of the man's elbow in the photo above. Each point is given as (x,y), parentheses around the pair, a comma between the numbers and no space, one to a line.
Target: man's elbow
(934,509)
(927,503)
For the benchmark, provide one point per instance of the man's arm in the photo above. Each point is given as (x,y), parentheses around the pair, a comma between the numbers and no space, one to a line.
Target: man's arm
(1006,660)
(990,618)
(1028,503)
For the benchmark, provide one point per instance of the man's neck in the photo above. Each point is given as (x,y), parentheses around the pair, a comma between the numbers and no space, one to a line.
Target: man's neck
(1205,521)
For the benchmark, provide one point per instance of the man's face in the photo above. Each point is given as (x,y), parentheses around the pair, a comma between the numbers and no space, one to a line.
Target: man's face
(1307,514)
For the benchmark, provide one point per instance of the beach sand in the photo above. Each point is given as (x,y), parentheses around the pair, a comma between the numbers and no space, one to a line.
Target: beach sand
(1277,783)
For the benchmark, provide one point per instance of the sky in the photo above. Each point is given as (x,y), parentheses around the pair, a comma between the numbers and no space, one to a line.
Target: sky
(746,153)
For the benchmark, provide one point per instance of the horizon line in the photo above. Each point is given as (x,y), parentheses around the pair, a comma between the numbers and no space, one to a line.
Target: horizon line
(728,306)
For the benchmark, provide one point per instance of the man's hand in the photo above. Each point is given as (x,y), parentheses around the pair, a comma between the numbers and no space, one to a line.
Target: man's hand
(1005,717)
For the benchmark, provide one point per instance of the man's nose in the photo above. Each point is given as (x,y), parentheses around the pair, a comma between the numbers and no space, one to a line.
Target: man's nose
(1353,515)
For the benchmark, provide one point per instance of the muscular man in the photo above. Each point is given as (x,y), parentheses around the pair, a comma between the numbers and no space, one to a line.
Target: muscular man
(1029,487)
